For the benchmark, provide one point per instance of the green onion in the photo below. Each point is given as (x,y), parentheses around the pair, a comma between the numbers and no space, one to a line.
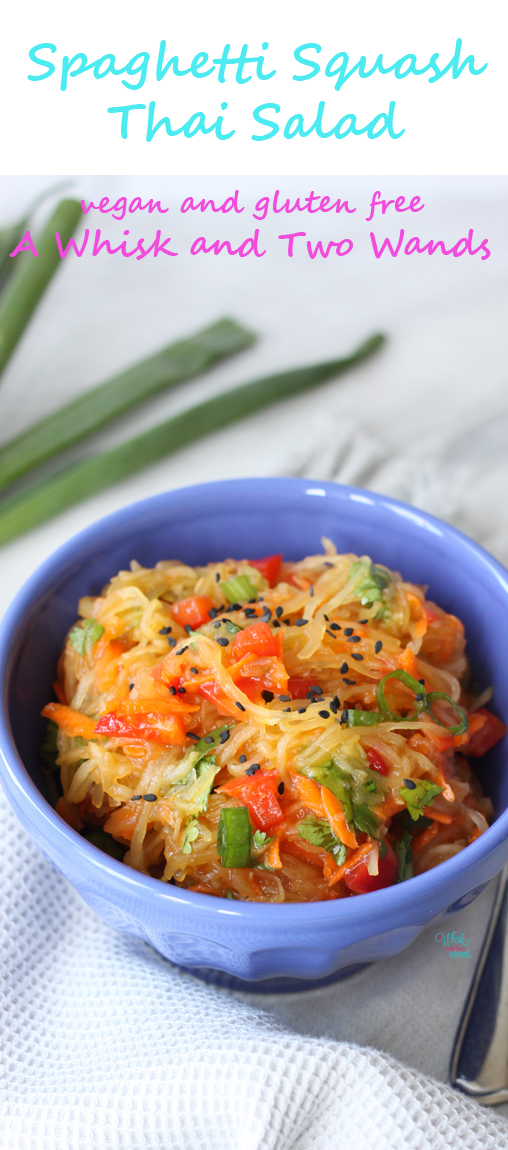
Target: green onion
(403,677)
(363,718)
(234,837)
(464,722)
(238,589)
(174,364)
(42,500)
(31,277)
(12,235)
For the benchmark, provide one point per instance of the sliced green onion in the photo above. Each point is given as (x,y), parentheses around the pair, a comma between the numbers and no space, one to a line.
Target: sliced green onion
(234,837)
(44,499)
(32,275)
(12,235)
(464,722)
(408,681)
(364,718)
(238,589)
(173,365)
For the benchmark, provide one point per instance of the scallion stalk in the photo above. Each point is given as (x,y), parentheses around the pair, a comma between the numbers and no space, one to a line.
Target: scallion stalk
(174,364)
(31,276)
(234,837)
(45,499)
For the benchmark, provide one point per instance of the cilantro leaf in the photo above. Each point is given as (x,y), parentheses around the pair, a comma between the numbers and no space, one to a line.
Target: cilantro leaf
(404,850)
(319,833)
(419,796)
(84,638)
(190,834)
(365,820)
(261,841)
(374,580)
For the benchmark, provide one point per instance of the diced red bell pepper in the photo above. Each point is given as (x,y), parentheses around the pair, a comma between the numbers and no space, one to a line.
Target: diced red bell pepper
(269,567)
(486,736)
(299,688)
(193,612)
(360,881)
(257,639)
(215,694)
(258,792)
(168,730)
(376,761)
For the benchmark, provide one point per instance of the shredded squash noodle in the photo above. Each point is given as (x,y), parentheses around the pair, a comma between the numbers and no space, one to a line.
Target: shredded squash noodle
(269,731)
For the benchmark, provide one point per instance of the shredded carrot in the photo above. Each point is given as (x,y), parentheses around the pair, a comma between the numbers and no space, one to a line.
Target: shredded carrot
(390,806)
(336,816)
(421,623)
(408,662)
(273,853)
(425,837)
(72,722)
(59,692)
(309,792)
(169,706)
(122,822)
(476,722)
(106,667)
(351,862)
(315,855)
(430,813)
(122,693)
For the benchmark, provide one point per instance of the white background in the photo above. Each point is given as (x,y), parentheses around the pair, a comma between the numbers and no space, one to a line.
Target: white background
(411,422)
(452,126)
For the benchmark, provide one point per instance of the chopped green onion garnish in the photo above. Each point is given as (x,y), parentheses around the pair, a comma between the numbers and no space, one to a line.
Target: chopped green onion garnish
(408,681)
(464,723)
(238,589)
(234,837)
(364,718)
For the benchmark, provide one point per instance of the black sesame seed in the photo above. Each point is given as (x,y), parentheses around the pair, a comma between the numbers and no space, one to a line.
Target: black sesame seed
(172,690)
(348,630)
(355,639)
(410,784)
(252,769)
(330,633)
(284,698)
(236,607)
(281,788)
(350,682)
(361,621)
(336,700)
(344,716)
(326,564)
(223,642)
(301,710)
(242,759)
(240,706)
(208,739)
(217,577)
(249,613)
(356,655)
(419,697)
(224,620)
(165,630)
(310,695)
(252,600)
(192,735)
(218,624)
(324,714)
(279,611)
(378,646)
(182,652)
(344,669)
(275,623)
(267,696)
(335,626)
(131,686)
(326,617)
(224,737)
(150,798)
(317,690)
(301,622)
(194,671)
(212,612)
(182,691)
(333,707)
(311,591)
(267,614)
(171,641)
(286,708)
(422,681)
(134,798)
(188,628)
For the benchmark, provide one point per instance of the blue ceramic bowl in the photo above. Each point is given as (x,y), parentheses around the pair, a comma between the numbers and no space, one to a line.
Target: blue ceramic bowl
(219,939)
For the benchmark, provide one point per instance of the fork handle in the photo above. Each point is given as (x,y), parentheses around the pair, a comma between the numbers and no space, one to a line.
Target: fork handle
(479,1061)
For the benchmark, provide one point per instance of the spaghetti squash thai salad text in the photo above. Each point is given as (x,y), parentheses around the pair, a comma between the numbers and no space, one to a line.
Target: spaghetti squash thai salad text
(269,731)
